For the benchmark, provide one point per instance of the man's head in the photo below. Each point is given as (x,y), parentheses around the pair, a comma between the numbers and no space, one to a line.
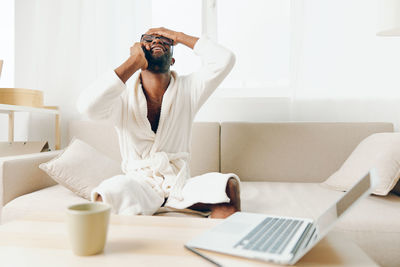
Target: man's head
(158,52)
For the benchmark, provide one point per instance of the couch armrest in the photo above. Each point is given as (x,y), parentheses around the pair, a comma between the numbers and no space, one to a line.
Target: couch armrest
(21,175)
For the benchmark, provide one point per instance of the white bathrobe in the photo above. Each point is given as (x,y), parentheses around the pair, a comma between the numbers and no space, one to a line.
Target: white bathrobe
(155,165)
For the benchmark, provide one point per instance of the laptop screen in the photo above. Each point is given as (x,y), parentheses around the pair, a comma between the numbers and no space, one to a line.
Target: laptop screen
(352,195)
(362,187)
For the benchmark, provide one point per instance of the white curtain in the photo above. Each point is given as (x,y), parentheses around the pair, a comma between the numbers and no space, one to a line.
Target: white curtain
(63,45)
(343,73)
(347,73)
(342,56)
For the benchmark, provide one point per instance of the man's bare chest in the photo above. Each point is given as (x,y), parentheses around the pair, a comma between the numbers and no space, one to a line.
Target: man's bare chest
(153,114)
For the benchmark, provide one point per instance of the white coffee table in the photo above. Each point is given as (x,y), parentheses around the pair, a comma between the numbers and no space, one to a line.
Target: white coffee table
(41,240)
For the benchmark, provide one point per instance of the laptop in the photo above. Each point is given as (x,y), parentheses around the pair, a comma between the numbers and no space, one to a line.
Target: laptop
(278,239)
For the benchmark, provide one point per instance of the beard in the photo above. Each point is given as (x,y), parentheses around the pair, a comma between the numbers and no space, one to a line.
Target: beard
(158,64)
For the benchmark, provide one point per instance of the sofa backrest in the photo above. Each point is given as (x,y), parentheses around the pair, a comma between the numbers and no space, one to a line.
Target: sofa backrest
(204,150)
(293,151)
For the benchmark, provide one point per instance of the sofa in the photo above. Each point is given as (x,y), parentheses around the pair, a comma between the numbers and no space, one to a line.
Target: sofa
(281,166)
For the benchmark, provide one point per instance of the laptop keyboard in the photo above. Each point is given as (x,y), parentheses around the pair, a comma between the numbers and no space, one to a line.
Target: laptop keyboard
(272,235)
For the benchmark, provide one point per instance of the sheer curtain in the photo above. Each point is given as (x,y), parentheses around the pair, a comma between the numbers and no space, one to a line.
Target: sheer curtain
(7,43)
(339,70)
(6,54)
(347,73)
(63,45)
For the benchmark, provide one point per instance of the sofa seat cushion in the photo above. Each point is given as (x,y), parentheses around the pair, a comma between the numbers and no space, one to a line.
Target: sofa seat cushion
(370,224)
(56,199)
(311,199)
(286,199)
(50,199)
(375,213)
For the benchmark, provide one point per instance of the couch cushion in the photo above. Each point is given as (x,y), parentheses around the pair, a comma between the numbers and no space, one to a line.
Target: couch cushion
(290,152)
(51,199)
(204,149)
(311,199)
(80,168)
(286,199)
(38,203)
(371,223)
(88,131)
(380,151)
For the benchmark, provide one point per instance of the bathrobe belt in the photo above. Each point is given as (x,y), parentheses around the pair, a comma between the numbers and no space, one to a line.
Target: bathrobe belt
(160,165)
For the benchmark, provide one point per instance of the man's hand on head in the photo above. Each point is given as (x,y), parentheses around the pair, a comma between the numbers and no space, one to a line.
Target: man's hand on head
(173,35)
(177,37)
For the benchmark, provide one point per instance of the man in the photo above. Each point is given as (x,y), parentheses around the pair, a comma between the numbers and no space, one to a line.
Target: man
(154,123)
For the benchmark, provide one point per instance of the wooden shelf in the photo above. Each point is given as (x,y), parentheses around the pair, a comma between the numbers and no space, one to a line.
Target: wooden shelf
(6,108)
(10,109)
(21,97)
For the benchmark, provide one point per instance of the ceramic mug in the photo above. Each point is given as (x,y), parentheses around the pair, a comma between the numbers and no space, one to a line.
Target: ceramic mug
(87,227)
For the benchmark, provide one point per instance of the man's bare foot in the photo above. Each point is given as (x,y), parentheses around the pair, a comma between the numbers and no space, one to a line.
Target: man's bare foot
(223,210)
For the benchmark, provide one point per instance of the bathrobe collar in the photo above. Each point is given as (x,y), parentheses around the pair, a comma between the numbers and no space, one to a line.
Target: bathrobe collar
(139,106)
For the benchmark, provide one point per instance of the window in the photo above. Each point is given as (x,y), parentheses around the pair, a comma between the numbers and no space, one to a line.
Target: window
(262,45)
(183,16)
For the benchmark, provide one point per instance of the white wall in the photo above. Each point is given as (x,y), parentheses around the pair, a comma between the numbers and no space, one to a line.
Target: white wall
(62,46)
(345,72)
(7,54)
(7,51)
(7,42)
(246,109)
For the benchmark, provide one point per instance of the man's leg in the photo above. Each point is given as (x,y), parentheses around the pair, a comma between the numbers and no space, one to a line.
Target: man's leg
(223,210)
(128,195)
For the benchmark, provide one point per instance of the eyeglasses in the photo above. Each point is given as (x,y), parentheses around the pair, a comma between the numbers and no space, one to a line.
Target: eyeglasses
(150,38)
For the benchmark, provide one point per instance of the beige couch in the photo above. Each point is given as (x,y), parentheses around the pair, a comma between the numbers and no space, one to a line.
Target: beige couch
(281,166)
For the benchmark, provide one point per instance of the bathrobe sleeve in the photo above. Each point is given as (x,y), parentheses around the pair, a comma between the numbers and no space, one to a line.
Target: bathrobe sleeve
(217,62)
(102,100)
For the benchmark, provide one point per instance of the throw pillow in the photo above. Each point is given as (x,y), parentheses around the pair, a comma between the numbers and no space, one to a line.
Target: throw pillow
(380,151)
(80,168)
(396,189)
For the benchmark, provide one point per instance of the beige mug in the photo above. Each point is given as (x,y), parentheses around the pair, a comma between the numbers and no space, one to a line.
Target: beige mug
(87,227)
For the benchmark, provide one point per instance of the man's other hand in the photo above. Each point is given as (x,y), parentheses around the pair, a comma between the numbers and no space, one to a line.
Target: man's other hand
(136,61)
(138,55)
